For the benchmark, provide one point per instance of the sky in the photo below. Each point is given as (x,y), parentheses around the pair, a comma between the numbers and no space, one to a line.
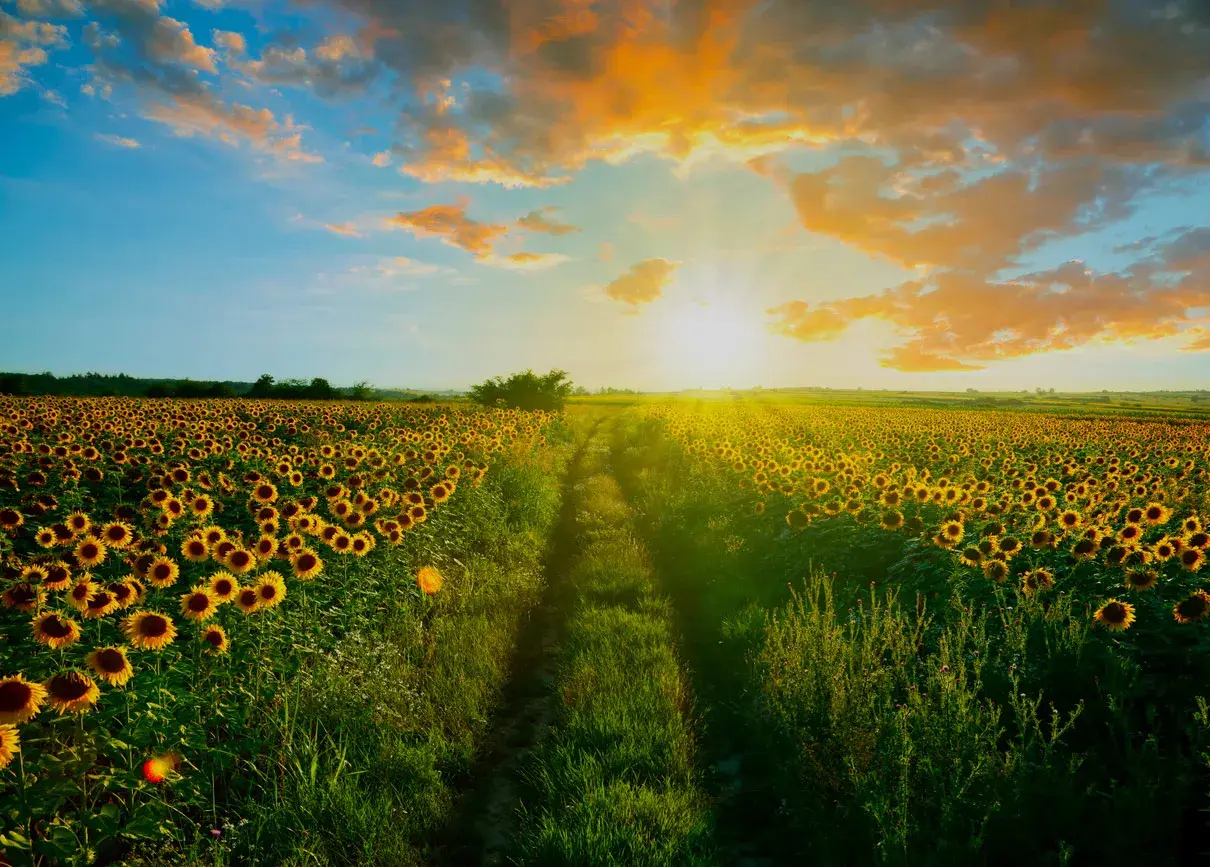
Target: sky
(653,194)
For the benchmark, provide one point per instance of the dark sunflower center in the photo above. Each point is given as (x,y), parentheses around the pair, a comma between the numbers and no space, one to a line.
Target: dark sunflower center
(14,695)
(248,597)
(306,562)
(222,587)
(215,638)
(89,551)
(111,661)
(153,626)
(99,601)
(268,591)
(199,602)
(22,594)
(67,688)
(1114,612)
(54,627)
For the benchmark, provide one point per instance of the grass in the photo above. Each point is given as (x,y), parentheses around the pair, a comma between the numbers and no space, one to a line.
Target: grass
(376,735)
(615,783)
(862,707)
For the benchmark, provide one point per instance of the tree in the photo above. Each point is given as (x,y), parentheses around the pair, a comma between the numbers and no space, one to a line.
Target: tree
(362,390)
(525,390)
(263,387)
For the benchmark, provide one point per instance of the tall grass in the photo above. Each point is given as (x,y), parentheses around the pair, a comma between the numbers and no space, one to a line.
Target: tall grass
(615,783)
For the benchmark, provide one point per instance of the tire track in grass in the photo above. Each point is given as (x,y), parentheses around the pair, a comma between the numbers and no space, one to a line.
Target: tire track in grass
(485,818)
(615,781)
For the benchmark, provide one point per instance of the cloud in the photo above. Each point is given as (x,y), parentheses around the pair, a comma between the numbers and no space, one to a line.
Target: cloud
(961,320)
(452,225)
(382,159)
(643,283)
(537,221)
(118,141)
(338,66)
(605,251)
(524,261)
(23,45)
(342,229)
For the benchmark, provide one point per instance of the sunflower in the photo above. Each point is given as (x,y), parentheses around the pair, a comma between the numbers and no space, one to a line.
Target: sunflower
(1042,539)
(149,630)
(195,550)
(24,597)
(55,630)
(1192,559)
(1134,516)
(1195,607)
(90,552)
(265,548)
(201,507)
(124,592)
(10,745)
(429,580)
(1010,546)
(997,570)
(11,519)
(1164,549)
(212,535)
(117,535)
(892,519)
(265,492)
(199,604)
(306,564)
(239,561)
(163,572)
(247,599)
(20,700)
(72,692)
(1115,616)
(102,604)
(81,592)
(1036,580)
(58,576)
(78,522)
(111,665)
(1070,519)
(222,586)
(363,544)
(1156,514)
(216,637)
(270,589)
(1141,579)
(1085,548)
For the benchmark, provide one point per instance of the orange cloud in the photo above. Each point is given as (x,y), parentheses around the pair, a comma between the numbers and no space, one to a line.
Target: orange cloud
(23,45)
(960,320)
(452,225)
(643,283)
(342,229)
(537,221)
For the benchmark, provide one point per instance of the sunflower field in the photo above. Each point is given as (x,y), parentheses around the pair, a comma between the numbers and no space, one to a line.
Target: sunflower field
(205,601)
(940,635)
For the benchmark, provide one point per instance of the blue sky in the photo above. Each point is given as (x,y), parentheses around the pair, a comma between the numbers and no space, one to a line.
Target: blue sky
(708,193)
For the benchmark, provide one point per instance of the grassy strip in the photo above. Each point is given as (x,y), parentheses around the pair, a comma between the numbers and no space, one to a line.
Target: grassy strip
(615,782)
(376,733)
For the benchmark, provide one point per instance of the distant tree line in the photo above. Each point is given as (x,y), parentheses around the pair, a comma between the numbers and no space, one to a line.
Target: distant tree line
(122,385)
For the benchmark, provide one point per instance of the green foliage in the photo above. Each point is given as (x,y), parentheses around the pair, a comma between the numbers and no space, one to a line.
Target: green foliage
(525,390)
(615,782)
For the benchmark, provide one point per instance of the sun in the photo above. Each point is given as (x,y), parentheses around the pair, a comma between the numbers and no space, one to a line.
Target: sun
(713,344)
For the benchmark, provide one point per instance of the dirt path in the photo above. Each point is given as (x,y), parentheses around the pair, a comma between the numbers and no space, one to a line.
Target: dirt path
(485,817)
